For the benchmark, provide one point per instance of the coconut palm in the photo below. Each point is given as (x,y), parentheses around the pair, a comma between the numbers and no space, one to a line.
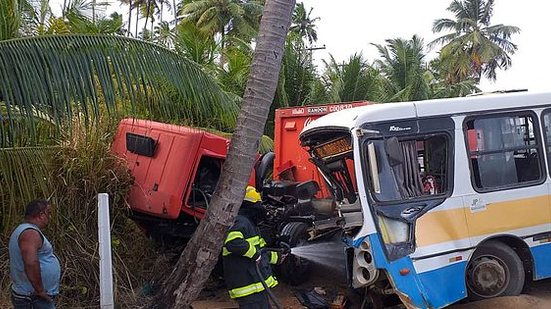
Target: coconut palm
(352,80)
(10,19)
(224,17)
(233,75)
(303,25)
(195,45)
(164,35)
(403,68)
(23,18)
(201,253)
(474,47)
(130,4)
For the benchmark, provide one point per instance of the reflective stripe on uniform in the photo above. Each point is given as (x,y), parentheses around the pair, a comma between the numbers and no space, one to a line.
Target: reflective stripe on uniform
(233,235)
(253,241)
(225,251)
(251,252)
(257,240)
(252,288)
(273,257)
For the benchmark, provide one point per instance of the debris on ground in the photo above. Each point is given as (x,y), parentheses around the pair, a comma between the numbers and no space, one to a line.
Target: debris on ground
(339,302)
(312,300)
(320,290)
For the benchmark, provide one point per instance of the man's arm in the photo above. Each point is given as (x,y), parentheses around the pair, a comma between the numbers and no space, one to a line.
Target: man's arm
(29,243)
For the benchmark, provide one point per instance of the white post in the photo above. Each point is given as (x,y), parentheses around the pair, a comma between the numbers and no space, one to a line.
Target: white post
(105,262)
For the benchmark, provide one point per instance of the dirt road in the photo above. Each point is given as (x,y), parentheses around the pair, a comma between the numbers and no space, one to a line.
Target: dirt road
(332,281)
(537,296)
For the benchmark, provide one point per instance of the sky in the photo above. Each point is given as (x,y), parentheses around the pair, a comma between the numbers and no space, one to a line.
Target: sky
(351,26)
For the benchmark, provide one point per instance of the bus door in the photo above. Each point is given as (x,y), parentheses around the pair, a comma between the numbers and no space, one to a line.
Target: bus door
(510,192)
(418,218)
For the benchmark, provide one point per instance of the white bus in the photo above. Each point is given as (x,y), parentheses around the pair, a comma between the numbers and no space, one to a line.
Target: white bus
(454,194)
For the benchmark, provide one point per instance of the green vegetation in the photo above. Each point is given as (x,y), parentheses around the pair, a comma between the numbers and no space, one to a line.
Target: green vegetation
(66,80)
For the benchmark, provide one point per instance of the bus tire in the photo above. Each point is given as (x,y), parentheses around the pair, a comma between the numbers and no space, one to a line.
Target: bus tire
(295,270)
(494,270)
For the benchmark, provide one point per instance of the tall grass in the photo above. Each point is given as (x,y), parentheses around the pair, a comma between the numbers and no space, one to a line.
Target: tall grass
(70,176)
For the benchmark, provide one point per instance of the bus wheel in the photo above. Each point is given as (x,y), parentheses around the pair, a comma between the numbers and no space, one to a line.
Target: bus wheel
(494,270)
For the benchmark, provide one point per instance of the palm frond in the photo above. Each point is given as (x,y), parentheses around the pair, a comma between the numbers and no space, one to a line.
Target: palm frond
(443,24)
(78,74)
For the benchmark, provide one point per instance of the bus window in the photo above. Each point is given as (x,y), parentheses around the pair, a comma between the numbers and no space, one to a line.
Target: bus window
(547,134)
(412,167)
(503,151)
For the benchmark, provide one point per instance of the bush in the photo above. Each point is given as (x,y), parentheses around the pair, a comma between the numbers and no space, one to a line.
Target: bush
(70,176)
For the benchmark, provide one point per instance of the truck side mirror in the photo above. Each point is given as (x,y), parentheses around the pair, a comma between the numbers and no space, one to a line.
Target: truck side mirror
(264,165)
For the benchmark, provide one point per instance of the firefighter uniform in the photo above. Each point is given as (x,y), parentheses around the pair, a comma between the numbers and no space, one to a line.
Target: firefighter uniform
(242,249)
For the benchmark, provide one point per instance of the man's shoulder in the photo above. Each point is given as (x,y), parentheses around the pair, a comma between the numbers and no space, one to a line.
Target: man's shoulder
(28,232)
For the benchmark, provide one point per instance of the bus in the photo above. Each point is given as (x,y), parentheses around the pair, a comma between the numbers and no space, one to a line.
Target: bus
(441,200)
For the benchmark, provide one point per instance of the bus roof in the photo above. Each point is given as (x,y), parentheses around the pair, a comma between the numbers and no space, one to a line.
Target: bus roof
(354,117)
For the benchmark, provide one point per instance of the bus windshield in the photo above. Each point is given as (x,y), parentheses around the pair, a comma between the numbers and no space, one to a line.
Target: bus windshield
(409,168)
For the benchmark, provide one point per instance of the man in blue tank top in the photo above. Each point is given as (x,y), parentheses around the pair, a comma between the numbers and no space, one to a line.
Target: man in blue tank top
(34,269)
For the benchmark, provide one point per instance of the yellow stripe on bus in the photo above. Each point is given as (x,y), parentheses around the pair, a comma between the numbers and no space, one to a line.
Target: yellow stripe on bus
(500,217)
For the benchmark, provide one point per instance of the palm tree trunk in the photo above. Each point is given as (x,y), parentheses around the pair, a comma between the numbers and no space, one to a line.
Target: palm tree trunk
(137,16)
(146,16)
(129,18)
(200,255)
(175,10)
(94,12)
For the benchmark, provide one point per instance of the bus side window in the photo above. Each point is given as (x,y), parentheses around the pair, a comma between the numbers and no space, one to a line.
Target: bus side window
(547,134)
(503,150)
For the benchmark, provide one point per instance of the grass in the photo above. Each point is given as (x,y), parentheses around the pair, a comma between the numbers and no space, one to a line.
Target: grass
(70,176)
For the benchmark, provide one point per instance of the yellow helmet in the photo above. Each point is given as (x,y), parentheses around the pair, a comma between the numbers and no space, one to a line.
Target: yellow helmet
(251,195)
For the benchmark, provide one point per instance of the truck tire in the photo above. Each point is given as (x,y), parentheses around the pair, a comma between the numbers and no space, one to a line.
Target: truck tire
(295,270)
(494,270)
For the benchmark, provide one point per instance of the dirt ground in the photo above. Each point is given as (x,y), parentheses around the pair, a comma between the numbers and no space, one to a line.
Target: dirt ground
(537,295)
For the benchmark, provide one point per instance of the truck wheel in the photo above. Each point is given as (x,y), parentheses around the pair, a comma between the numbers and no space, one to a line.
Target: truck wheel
(494,270)
(295,270)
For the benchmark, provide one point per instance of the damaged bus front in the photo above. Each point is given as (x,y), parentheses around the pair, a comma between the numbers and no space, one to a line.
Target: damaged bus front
(384,176)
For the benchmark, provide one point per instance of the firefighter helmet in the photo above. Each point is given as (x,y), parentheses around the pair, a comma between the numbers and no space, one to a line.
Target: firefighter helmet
(251,195)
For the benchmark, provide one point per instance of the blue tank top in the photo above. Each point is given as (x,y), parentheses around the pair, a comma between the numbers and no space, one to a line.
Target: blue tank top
(50,269)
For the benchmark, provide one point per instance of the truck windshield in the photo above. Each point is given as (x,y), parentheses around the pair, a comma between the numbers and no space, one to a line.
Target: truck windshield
(409,168)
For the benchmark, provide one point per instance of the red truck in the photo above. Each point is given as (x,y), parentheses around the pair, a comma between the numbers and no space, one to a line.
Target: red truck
(176,170)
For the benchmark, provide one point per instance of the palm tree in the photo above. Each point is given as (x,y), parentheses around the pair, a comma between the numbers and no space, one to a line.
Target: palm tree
(201,253)
(351,81)
(474,47)
(10,17)
(130,4)
(303,25)
(195,45)
(23,18)
(403,68)
(224,17)
(164,35)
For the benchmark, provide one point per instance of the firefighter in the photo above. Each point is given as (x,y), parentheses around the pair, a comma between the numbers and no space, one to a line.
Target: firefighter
(243,250)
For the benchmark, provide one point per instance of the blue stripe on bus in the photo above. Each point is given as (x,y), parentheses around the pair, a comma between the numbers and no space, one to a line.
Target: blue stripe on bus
(408,284)
(542,267)
(445,285)
(432,289)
